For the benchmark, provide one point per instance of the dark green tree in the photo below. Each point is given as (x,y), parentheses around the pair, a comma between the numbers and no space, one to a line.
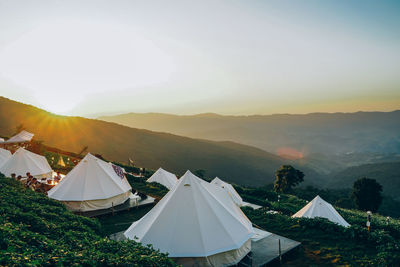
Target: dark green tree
(200,173)
(286,178)
(367,194)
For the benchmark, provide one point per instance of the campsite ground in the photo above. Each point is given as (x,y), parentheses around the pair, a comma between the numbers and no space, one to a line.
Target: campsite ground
(323,243)
(122,220)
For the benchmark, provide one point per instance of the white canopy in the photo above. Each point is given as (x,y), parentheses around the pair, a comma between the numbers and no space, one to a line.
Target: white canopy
(320,208)
(195,219)
(23,161)
(91,179)
(163,177)
(23,136)
(4,155)
(229,189)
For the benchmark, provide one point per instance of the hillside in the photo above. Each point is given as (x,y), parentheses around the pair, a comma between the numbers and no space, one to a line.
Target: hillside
(234,162)
(38,231)
(387,174)
(325,133)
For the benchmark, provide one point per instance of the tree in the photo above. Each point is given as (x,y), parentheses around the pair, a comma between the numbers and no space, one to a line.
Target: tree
(286,178)
(367,194)
(200,173)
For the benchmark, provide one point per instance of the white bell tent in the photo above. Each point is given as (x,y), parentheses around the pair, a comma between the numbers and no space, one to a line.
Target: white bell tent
(229,189)
(24,161)
(22,137)
(163,177)
(91,185)
(4,155)
(197,224)
(320,208)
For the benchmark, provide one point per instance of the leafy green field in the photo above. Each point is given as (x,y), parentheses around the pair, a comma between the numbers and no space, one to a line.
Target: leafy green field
(35,230)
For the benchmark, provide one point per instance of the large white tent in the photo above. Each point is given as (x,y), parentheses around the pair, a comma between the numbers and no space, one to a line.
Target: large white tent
(22,137)
(197,224)
(91,185)
(4,155)
(163,177)
(229,189)
(23,161)
(320,208)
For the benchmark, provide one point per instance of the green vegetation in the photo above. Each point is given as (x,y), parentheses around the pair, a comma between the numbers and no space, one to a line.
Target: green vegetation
(35,230)
(286,178)
(154,189)
(325,243)
(367,194)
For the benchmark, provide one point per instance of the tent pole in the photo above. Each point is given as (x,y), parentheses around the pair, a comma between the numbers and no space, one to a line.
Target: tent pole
(280,251)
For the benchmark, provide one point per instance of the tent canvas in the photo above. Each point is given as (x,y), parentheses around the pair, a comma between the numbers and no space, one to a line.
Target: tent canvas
(23,161)
(4,155)
(90,185)
(320,208)
(163,177)
(229,189)
(196,222)
(23,136)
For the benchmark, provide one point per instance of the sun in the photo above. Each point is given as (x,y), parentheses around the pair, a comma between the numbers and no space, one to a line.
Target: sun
(64,62)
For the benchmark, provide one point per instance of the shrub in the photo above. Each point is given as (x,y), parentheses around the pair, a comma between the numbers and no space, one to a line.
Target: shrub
(35,230)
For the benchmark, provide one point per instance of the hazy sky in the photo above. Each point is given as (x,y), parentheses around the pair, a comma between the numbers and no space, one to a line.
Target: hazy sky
(230,57)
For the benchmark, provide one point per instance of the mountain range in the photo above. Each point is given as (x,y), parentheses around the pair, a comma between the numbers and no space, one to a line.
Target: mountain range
(284,134)
(234,162)
(231,161)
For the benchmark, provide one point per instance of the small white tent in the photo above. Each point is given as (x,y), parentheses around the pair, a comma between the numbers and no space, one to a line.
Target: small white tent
(23,136)
(197,224)
(320,208)
(91,185)
(229,189)
(4,155)
(163,177)
(23,161)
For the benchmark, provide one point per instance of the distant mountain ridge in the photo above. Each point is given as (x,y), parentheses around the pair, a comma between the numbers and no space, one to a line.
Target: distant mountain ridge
(233,162)
(387,174)
(326,133)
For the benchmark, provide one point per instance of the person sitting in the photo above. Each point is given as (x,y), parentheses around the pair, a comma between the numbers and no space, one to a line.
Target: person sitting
(28,181)
(57,179)
(19,177)
(34,184)
(13,175)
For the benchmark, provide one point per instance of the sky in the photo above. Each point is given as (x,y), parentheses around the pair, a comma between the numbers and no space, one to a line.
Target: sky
(92,58)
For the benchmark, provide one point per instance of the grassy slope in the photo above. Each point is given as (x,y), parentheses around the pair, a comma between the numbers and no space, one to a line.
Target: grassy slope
(325,243)
(233,162)
(35,230)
